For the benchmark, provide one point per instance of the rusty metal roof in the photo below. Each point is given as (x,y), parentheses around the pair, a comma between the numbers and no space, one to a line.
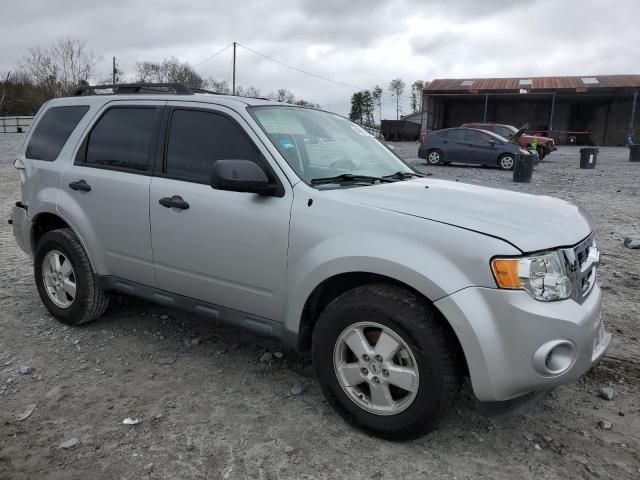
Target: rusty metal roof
(532,83)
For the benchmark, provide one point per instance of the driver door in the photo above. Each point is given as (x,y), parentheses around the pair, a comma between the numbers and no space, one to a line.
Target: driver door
(225,248)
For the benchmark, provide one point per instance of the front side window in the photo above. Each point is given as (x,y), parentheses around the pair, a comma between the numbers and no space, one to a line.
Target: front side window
(121,139)
(197,139)
(53,131)
(320,145)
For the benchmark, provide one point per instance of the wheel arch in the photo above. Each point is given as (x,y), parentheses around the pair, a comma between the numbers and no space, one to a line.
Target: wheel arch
(47,221)
(332,287)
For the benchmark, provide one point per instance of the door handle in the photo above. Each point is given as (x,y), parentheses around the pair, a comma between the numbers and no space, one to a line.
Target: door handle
(174,202)
(80,185)
(445,141)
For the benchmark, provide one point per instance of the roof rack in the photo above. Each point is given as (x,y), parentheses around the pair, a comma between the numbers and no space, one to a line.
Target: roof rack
(137,88)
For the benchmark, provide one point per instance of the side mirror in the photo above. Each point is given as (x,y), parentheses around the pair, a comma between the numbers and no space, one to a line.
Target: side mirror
(492,142)
(241,176)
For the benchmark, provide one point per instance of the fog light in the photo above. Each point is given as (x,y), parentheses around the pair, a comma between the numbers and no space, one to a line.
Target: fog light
(555,357)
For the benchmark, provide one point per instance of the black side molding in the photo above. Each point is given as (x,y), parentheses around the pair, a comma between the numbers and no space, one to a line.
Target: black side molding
(260,325)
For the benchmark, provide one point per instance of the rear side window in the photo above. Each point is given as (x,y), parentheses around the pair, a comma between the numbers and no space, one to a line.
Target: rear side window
(198,138)
(121,139)
(454,135)
(53,131)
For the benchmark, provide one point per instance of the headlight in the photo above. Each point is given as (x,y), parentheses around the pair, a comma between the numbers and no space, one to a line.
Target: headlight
(543,276)
(525,152)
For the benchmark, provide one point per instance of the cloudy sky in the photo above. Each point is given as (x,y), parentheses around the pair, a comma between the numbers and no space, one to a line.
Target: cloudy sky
(356,42)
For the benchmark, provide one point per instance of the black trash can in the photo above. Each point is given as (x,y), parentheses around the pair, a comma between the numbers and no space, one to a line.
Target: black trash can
(634,153)
(588,157)
(523,169)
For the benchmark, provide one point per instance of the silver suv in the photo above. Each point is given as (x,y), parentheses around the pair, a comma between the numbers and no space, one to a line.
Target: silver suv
(297,223)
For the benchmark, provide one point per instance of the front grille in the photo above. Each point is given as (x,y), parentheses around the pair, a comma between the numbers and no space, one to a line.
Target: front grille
(581,265)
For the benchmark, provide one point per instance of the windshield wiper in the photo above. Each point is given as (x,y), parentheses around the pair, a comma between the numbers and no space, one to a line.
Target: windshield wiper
(349,177)
(403,175)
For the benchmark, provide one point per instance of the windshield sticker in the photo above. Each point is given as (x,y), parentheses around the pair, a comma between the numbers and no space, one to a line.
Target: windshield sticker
(286,143)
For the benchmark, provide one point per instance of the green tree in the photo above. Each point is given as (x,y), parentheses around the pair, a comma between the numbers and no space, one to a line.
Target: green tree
(376,94)
(355,115)
(396,88)
(416,95)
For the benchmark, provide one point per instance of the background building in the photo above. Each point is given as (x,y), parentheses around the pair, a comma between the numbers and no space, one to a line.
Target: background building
(591,110)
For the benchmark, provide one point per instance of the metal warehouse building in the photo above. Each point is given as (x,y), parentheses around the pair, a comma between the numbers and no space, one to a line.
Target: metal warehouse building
(595,110)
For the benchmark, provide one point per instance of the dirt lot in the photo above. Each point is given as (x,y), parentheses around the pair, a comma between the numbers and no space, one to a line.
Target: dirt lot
(209,408)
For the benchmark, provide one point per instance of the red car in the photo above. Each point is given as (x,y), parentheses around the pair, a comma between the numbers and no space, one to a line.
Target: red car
(545,145)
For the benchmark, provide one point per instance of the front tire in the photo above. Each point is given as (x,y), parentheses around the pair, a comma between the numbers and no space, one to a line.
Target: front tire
(506,162)
(65,280)
(541,153)
(384,361)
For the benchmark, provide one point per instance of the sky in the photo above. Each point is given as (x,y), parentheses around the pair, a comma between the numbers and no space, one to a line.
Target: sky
(360,43)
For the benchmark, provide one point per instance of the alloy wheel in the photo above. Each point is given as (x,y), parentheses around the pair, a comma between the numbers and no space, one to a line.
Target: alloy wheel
(433,158)
(59,278)
(506,162)
(376,368)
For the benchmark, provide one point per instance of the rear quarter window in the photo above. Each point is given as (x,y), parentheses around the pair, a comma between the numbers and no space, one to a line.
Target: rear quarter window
(53,131)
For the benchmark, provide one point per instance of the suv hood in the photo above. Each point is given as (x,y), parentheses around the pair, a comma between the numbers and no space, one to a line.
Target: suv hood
(529,222)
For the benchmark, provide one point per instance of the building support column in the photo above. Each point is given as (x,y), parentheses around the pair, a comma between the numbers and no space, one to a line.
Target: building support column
(630,138)
(553,108)
(486,106)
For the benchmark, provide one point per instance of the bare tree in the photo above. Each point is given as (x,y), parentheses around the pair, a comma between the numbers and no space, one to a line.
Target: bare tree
(66,64)
(218,86)
(284,95)
(170,70)
(396,87)
(252,92)
(5,85)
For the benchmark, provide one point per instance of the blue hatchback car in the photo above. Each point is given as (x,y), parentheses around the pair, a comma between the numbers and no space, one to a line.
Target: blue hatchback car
(472,145)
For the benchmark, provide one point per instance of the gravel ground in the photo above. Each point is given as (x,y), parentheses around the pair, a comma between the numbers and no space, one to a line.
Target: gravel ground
(208,407)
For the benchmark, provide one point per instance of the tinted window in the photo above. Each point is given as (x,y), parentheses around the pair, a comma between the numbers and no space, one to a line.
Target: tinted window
(504,132)
(473,136)
(121,138)
(454,135)
(53,131)
(197,139)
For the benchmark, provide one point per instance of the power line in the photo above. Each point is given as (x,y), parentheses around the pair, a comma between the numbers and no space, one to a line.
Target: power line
(300,70)
(212,56)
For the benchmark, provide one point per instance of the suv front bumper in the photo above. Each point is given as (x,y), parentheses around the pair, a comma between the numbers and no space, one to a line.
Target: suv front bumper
(503,333)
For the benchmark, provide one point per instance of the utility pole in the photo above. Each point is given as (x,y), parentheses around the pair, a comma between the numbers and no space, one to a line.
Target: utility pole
(233,90)
(114,72)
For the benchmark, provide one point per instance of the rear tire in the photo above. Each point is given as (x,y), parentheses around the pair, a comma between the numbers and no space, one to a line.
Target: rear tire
(423,361)
(541,153)
(435,157)
(65,280)
(506,161)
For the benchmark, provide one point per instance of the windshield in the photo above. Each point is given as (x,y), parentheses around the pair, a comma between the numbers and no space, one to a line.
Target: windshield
(320,145)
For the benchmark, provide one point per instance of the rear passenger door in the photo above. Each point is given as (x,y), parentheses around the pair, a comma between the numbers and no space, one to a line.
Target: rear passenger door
(105,191)
(453,145)
(481,147)
(224,248)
